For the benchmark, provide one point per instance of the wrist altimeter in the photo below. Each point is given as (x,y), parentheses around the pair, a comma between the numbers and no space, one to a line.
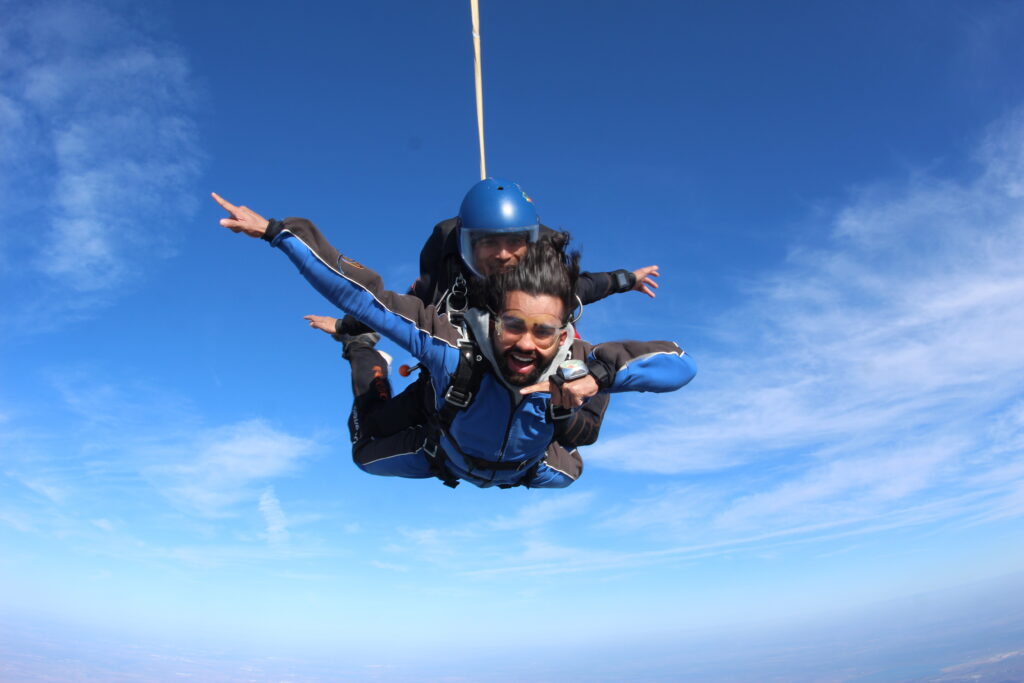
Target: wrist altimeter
(570,370)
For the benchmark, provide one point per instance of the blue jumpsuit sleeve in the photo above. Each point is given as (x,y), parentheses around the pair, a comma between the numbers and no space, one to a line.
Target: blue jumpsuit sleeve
(645,366)
(548,478)
(357,290)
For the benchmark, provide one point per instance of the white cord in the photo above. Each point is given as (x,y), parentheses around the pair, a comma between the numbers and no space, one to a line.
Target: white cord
(479,84)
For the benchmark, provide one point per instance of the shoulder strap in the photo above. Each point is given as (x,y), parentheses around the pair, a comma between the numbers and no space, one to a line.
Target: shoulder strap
(465,381)
(464,384)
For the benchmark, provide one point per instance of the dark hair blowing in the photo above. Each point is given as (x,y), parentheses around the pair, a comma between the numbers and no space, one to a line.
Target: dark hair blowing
(546,268)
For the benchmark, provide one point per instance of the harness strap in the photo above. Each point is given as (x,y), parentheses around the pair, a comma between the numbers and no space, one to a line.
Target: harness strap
(438,457)
(529,475)
(464,383)
(462,388)
(481,464)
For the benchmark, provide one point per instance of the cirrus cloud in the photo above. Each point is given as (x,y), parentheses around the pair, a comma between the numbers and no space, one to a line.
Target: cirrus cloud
(98,141)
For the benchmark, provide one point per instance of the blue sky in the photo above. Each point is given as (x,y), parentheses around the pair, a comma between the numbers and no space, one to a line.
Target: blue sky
(834,193)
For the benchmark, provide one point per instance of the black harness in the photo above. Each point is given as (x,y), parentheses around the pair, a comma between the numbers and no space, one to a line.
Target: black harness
(462,389)
(465,382)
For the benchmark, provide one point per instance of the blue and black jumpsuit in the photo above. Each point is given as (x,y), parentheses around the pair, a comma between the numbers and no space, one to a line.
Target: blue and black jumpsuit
(501,438)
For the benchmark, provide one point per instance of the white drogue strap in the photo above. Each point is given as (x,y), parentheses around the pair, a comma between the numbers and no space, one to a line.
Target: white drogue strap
(475,9)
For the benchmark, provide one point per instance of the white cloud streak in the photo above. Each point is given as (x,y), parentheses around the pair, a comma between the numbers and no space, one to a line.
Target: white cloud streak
(273,515)
(99,145)
(53,492)
(871,384)
(912,318)
(872,368)
(227,464)
(545,512)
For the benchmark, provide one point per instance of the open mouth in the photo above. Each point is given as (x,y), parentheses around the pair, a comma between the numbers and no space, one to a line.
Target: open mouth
(520,363)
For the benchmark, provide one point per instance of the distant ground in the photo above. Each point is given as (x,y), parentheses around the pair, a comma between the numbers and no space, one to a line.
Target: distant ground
(973,634)
(1007,667)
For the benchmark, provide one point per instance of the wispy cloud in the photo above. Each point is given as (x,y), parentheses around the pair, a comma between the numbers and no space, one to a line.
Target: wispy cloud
(99,145)
(872,383)
(107,456)
(881,368)
(911,318)
(51,491)
(131,490)
(389,566)
(544,512)
(277,524)
(767,540)
(525,535)
(226,466)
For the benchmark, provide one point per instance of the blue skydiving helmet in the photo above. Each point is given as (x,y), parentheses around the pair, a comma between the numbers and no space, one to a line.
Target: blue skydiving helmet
(495,208)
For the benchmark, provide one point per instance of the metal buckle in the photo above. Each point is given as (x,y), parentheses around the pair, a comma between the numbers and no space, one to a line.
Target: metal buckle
(460,292)
(561,413)
(458,403)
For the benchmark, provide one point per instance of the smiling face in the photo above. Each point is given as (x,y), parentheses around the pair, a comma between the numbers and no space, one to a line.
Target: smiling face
(498,252)
(526,336)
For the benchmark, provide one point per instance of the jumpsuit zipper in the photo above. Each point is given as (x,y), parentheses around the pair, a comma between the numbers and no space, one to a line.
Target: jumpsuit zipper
(508,430)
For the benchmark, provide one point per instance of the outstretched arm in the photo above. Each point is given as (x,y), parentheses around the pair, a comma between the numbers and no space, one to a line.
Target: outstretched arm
(353,288)
(624,366)
(243,219)
(593,287)
(641,366)
(324,323)
(644,280)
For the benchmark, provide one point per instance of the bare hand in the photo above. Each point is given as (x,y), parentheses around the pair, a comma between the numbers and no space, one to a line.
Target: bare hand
(322,322)
(644,283)
(568,396)
(243,219)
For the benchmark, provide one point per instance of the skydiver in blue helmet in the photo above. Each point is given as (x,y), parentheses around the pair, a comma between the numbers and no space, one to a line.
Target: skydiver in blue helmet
(497,221)
(500,366)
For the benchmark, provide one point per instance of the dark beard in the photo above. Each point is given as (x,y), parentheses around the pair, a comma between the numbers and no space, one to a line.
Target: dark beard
(518,380)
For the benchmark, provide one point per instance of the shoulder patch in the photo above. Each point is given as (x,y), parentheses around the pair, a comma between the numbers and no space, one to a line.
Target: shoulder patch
(350,262)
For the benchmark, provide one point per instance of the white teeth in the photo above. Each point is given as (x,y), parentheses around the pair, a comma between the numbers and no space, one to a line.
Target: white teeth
(522,359)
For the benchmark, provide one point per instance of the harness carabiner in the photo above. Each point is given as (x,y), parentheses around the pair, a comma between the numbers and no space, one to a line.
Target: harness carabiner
(456,299)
